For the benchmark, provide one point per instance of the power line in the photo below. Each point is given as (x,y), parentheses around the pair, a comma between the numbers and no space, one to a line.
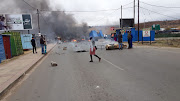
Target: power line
(83,11)
(105,16)
(149,15)
(78,11)
(128,3)
(43,18)
(159,13)
(112,13)
(157,5)
(29,4)
(47,22)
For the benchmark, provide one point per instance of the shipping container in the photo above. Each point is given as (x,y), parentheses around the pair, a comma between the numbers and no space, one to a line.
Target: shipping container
(16,44)
(2,51)
(7,46)
(26,41)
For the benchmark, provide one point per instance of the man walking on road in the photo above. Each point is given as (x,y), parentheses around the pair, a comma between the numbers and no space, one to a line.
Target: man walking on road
(120,41)
(93,50)
(42,43)
(33,43)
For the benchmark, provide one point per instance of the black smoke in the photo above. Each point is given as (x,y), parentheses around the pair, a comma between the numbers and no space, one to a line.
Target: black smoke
(53,22)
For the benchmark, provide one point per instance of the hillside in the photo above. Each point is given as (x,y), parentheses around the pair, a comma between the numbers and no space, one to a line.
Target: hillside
(163,24)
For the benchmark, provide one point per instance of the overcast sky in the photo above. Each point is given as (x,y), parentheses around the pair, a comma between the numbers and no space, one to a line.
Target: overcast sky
(112,16)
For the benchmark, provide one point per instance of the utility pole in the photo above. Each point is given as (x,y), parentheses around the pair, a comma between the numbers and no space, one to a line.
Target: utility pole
(144,23)
(138,20)
(121,17)
(134,12)
(38,21)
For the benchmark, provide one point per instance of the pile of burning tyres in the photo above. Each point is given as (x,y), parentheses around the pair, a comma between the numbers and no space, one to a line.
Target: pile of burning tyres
(74,40)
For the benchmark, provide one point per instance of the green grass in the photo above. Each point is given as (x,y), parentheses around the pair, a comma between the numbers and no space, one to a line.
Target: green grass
(166,35)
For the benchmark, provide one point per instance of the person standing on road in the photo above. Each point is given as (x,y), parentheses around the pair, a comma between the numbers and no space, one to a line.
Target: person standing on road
(33,43)
(130,40)
(93,50)
(45,46)
(120,41)
(42,43)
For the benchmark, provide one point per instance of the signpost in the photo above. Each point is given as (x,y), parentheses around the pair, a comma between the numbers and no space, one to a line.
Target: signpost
(123,31)
(147,33)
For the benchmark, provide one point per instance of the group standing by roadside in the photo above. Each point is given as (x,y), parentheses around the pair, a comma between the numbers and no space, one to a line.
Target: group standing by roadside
(120,40)
(42,43)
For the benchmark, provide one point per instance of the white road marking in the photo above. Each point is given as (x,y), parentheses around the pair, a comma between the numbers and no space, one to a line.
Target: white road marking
(113,64)
(97,87)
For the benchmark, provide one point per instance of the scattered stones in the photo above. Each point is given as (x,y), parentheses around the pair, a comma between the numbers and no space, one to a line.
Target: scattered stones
(65,48)
(53,64)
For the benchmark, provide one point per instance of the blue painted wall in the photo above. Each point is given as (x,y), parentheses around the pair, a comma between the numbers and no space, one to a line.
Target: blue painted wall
(135,35)
(26,41)
(145,38)
(2,52)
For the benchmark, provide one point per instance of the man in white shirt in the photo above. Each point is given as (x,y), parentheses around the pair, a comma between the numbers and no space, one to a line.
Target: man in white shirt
(93,50)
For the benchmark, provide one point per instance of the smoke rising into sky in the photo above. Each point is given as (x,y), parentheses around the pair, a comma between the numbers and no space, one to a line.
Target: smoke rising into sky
(51,23)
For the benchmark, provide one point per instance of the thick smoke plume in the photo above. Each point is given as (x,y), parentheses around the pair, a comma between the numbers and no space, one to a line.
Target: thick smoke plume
(51,23)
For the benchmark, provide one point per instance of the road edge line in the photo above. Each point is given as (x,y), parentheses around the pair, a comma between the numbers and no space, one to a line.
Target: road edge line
(113,64)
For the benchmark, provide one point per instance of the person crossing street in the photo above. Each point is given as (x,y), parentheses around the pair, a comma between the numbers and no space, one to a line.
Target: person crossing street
(93,50)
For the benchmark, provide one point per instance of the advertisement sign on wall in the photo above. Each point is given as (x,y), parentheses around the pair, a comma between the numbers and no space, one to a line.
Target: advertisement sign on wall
(146,32)
(15,22)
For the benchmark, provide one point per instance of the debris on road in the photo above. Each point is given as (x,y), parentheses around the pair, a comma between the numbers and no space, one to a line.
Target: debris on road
(81,51)
(114,46)
(53,64)
(65,48)
(97,87)
(58,53)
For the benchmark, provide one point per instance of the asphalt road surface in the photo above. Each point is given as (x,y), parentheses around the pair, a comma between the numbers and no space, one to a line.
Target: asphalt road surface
(139,74)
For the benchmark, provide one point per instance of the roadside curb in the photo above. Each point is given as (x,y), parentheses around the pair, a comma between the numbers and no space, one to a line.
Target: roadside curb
(5,88)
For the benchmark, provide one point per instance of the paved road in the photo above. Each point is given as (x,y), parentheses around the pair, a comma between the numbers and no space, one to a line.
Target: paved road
(139,74)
